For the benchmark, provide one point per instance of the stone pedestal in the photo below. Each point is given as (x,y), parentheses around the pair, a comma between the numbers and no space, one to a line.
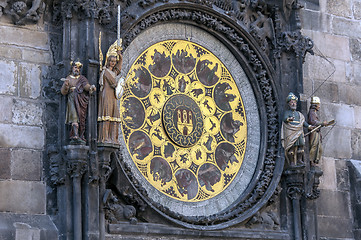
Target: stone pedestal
(76,160)
(104,155)
(295,190)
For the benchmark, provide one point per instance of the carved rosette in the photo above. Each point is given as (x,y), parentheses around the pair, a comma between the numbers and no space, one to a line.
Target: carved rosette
(270,164)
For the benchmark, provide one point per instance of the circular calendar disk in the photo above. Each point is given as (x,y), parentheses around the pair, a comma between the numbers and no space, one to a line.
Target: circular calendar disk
(184,121)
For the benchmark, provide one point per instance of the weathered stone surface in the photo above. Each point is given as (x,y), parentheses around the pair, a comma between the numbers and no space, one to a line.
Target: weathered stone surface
(21,136)
(5,163)
(356,144)
(342,175)
(51,112)
(30,80)
(25,232)
(27,113)
(6,109)
(337,143)
(329,228)
(343,114)
(319,68)
(330,45)
(355,48)
(23,37)
(323,4)
(311,4)
(350,94)
(328,179)
(10,52)
(26,165)
(315,21)
(346,27)
(329,199)
(356,73)
(37,56)
(355,176)
(22,197)
(357,9)
(341,74)
(326,91)
(340,8)
(8,77)
(23,227)
(357,111)
(151,231)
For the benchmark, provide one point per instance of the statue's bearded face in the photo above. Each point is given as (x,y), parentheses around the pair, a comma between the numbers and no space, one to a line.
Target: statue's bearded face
(76,71)
(292,104)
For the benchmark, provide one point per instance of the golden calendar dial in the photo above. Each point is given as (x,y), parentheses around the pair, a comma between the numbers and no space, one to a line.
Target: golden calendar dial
(184,121)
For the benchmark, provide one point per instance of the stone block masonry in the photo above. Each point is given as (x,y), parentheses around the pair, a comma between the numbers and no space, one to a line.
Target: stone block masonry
(24,50)
(335,28)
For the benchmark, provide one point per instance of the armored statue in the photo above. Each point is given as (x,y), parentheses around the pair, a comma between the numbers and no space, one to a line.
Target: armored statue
(292,135)
(77,89)
(108,109)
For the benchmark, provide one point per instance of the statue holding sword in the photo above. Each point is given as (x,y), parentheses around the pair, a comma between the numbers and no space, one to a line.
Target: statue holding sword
(111,86)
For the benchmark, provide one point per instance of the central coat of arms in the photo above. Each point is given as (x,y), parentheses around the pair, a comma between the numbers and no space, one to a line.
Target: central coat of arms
(183,120)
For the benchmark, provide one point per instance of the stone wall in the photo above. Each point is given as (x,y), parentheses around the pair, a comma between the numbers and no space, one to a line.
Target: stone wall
(24,52)
(335,27)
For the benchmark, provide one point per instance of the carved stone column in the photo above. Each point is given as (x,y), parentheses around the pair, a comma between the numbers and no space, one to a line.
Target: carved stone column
(104,154)
(295,190)
(77,156)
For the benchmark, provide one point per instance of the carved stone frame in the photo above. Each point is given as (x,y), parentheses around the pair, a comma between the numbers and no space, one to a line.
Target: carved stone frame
(258,69)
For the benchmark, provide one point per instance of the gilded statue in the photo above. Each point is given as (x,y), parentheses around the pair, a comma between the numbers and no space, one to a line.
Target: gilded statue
(77,89)
(108,108)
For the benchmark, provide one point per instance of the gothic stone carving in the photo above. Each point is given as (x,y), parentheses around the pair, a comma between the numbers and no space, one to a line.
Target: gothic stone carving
(22,12)
(268,95)
(115,211)
(57,166)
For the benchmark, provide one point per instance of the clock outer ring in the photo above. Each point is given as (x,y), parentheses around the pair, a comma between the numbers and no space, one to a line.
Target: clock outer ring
(237,188)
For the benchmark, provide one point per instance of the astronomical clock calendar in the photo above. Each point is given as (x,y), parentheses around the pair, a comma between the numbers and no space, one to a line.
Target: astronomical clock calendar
(184,122)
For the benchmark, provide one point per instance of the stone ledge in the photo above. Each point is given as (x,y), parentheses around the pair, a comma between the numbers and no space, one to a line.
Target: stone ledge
(27,227)
(140,230)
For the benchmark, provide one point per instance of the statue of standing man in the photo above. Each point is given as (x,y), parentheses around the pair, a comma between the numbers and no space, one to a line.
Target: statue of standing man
(77,89)
(292,135)
(315,136)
